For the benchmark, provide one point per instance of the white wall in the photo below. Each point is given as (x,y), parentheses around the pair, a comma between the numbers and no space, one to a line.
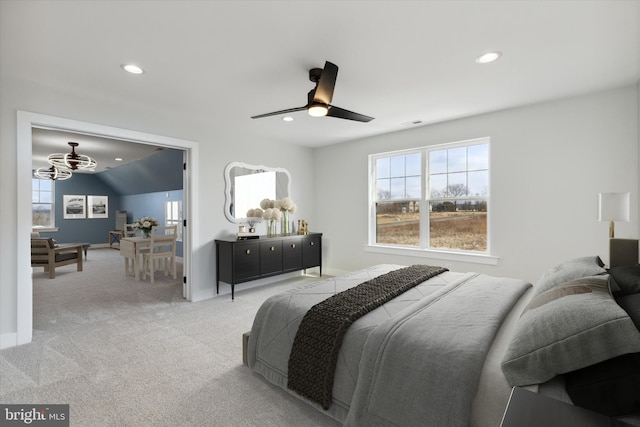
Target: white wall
(215,148)
(548,163)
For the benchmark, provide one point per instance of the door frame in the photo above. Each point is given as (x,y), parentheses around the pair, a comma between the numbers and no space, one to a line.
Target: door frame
(25,122)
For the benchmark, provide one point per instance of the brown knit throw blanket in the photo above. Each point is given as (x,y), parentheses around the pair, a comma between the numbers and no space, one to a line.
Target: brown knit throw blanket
(314,353)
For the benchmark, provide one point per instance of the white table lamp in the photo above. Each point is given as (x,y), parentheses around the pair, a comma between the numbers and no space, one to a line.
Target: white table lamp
(613,207)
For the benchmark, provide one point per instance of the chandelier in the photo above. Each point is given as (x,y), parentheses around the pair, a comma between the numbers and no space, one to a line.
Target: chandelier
(72,160)
(53,173)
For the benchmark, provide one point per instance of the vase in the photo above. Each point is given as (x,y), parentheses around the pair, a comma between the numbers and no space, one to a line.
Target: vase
(272,227)
(285,222)
(147,234)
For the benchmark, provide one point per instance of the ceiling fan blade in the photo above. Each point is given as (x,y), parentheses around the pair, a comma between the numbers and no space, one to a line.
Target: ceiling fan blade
(341,113)
(324,90)
(275,113)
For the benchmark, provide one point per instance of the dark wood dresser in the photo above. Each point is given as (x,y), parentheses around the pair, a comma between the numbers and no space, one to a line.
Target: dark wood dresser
(239,261)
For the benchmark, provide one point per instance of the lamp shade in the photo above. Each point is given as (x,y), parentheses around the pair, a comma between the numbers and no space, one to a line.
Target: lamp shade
(613,206)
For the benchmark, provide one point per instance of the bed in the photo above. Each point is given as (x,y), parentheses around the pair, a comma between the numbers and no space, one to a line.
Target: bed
(448,350)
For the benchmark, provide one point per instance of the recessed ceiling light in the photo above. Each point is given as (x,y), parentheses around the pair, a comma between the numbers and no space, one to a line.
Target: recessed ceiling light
(132,68)
(287,119)
(118,159)
(485,58)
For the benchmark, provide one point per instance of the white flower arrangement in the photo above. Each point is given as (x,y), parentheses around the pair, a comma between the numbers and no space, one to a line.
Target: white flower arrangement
(146,223)
(272,214)
(254,216)
(267,204)
(286,204)
(275,210)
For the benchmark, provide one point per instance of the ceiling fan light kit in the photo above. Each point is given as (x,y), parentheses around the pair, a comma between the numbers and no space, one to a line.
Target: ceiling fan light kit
(317,110)
(319,98)
(53,173)
(73,160)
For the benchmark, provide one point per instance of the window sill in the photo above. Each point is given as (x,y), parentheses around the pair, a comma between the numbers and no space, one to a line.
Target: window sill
(45,229)
(434,254)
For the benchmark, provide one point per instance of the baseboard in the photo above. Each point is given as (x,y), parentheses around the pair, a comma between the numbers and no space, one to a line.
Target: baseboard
(8,340)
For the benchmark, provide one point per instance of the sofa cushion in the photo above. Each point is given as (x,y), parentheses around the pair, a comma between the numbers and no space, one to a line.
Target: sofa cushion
(66,256)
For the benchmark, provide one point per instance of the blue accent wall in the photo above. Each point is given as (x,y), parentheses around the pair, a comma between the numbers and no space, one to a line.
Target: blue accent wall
(91,230)
(150,204)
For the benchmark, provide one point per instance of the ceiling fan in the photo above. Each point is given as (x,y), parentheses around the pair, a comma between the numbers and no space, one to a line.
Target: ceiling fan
(319,98)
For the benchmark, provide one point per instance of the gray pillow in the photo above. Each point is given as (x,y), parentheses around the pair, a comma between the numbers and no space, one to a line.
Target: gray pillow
(569,270)
(569,327)
(627,279)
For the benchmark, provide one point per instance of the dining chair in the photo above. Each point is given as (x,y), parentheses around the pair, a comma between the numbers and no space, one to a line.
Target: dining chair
(129,231)
(162,247)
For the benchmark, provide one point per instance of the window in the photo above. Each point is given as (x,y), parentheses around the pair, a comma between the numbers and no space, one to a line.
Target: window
(42,203)
(432,198)
(173,216)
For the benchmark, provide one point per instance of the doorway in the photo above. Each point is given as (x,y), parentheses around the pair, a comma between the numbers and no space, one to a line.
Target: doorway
(25,122)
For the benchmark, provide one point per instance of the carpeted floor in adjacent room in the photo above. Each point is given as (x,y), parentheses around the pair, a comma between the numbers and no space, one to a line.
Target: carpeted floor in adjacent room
(127,353)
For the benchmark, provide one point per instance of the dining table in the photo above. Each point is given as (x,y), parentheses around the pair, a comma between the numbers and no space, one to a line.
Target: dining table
(130,249)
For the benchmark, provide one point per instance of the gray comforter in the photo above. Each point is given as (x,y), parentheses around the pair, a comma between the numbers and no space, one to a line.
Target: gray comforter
(415,361)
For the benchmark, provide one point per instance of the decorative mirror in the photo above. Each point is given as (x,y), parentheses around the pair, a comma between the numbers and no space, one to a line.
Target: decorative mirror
(247,185)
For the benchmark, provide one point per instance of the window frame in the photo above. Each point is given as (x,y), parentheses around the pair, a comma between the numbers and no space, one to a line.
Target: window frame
(169,220)
(423,249)
(52,225)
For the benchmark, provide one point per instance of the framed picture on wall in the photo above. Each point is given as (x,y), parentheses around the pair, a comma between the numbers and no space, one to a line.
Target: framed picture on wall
(98,206)
(74,206)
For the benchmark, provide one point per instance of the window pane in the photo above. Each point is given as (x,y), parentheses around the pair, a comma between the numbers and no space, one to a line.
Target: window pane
(438,185)
(458,225)
(383,189)
(397,188)
(42,202)
(457,159)
(479,183)
(383,168)
(414,164)
(457,185)
(438,161)
(397,166)
(413,187)
(478,157)
(45,197)
(398,224)
(41,214)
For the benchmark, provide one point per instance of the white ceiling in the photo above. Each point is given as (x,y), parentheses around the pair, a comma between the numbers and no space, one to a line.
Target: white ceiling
(103,150)
(400,61)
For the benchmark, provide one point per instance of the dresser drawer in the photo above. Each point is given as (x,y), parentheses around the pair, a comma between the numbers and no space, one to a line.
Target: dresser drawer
(292,254)
(311,251)
(246,263)
(270,258)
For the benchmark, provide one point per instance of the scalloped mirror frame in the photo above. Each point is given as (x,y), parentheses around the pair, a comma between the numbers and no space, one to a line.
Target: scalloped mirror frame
(229,184)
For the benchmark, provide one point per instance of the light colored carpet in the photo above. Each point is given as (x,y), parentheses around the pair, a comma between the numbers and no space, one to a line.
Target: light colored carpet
(127,353)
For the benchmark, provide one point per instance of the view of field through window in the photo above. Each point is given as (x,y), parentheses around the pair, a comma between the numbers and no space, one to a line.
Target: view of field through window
(41,202)
(457,179)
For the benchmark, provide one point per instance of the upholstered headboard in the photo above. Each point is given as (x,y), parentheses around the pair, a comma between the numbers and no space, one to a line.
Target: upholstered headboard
(623,252)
